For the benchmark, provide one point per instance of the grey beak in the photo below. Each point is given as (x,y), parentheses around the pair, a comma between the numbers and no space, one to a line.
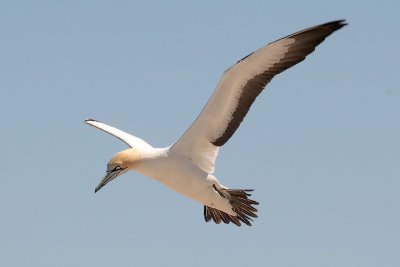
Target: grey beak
(110,175)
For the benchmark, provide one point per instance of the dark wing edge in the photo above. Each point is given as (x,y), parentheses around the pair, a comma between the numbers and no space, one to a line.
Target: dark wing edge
(305,42)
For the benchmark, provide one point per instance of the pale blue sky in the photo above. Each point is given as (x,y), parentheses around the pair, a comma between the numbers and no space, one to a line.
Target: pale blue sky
(321,146)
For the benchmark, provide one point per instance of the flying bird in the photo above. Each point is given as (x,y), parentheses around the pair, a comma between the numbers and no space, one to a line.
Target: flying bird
(187,166)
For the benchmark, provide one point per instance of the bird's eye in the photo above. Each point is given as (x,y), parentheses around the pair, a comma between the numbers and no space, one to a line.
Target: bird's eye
(117,168)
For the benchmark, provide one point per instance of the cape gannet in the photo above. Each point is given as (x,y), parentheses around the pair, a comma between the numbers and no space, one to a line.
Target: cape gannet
(187,166)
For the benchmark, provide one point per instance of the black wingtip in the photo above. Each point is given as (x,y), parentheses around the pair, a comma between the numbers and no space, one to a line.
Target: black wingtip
(89,119)
(342,22)
(337,24)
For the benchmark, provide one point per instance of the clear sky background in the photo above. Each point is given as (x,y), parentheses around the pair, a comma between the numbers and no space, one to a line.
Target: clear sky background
(321,146)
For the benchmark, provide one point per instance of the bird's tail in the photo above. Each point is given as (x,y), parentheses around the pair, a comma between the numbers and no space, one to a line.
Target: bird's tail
(241,205)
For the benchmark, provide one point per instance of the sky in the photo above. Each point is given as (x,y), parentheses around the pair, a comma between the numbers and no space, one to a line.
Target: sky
(320,146)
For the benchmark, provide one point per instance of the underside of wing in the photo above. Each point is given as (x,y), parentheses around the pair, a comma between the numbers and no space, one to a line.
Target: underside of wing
(130,140)
(239,87)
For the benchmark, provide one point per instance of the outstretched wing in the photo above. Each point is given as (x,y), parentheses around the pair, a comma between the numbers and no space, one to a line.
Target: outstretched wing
(130,140)
(239,87)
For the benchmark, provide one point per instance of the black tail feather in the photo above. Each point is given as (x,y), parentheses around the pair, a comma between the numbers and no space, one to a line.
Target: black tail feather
(241,204)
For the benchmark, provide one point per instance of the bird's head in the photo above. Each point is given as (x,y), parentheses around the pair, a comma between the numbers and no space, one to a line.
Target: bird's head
(119,164)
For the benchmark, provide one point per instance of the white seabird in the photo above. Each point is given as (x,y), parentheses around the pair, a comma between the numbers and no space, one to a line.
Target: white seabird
(187,166)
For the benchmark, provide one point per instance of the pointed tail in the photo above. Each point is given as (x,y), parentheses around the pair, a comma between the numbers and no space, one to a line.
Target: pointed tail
(241,205)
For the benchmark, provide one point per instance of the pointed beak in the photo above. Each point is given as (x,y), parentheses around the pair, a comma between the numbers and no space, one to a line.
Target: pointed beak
(110,175)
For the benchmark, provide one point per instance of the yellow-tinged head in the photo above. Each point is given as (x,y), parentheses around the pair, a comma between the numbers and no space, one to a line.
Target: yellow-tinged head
(119,164)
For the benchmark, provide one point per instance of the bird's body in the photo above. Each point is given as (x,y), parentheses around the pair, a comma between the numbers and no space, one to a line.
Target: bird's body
(187,166)
(182,176)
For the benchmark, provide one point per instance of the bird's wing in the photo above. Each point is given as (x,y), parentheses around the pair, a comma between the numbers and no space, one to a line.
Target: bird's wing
(130,140)
(238,88)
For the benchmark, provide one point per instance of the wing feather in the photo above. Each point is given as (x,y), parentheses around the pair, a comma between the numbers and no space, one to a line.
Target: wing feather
(130,140)
(239,87)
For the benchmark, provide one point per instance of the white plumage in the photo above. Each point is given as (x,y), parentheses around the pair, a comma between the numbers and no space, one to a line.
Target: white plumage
(187,166)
